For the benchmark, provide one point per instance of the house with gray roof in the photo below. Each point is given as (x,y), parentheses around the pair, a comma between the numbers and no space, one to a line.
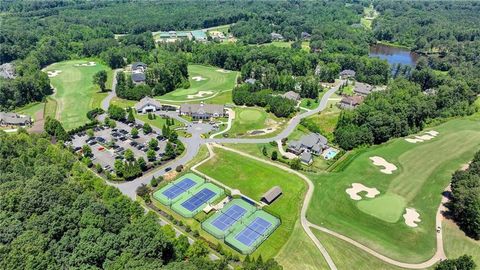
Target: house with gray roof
(292,95)
(271,195)
(203,111)
(14,119)
(347,73)
(251,81)
(313,143)
(276,36)
(7,71)
(362,89)
(306,35)
(148,104)
(138,72)
(306,158)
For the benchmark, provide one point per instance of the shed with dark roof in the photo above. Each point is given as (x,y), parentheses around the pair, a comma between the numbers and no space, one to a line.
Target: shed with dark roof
(271,195)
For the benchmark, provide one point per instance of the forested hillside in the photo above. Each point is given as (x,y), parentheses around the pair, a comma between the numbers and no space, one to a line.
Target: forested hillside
(55,214)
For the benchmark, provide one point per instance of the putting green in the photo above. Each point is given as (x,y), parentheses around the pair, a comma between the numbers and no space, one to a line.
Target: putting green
(212,82)
(74,90)
(250,115)
(388,207)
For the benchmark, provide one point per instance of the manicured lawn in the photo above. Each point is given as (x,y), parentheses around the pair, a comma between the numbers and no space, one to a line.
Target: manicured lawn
(205,82)
(347,256)
(328,118)
(124,103)
(253,118)
(31,109)
(253,179)
(456,243)
(157,122)
(424,170)
(309,103)
(75,90)
(50,108)
(288,44)
(300,253)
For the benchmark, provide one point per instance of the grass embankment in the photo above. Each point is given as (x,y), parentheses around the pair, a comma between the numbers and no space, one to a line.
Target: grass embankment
(456,243)
(31,109)
(205,82)
(424,170)
(347,256)
(253,179)
(75,93)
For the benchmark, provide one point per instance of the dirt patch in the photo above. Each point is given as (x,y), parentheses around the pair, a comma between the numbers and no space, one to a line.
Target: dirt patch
(223,71)
(53,73)
(388,167)
(200,94)
(357,188)
(412,217)
(39,123)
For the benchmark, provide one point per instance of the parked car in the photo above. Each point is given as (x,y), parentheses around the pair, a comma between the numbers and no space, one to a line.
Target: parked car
(123,138)
(133,143)
(168,169)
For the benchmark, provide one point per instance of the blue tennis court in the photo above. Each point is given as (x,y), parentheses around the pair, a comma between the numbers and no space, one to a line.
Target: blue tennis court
(198,199)
(253,231)
(229,217)
(176,189)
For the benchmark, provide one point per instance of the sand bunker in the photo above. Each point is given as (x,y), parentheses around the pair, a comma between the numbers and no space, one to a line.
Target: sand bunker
(89,64)
(357,188)
(200,94)
(198,78)
(426,137)
(54,73)
(388,167)
(411,217)
(223,71)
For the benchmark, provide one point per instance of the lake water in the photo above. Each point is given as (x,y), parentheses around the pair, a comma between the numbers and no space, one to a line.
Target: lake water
(394,55)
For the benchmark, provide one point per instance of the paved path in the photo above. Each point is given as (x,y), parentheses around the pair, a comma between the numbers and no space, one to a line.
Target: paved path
(106,101)
(283,153)
(231,116)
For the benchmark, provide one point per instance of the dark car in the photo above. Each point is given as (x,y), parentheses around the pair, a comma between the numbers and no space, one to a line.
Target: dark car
(133,143)
(168,169)
(123,138)
(123,131)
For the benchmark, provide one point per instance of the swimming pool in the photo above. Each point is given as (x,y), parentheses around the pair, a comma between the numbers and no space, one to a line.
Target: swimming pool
(331,153)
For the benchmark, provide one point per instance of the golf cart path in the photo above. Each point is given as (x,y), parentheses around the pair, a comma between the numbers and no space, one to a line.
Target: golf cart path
(231,116)
(112,93)
(439,253)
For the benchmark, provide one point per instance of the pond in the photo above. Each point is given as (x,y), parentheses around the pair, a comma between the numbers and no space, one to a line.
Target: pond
(394,55)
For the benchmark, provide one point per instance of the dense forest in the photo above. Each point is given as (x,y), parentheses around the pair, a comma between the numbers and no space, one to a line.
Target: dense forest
(465,202)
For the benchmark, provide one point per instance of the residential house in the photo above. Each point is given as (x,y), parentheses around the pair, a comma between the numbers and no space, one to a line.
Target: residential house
(292,95)
(305,36)
(138,72)
(250,81)
(347,74)
(148,104)
(313,143)
(271,195)
(14,119)
(362,89)
(350,102)
(306,158)
(7,71)
(203,111)
(276,36)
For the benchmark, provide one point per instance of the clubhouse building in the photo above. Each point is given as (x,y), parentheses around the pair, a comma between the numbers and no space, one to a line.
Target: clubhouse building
(14,119)
(203,111)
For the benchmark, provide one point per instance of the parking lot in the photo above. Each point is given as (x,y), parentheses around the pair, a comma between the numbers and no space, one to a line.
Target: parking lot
(109,144)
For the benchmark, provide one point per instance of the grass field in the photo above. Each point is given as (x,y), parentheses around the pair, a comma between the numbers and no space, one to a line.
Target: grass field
(253,118)
(347,256)
(253,179)
(456,243)
(424,170)
(75,91)
(31,109)
(157,122)
(300,253)
(205,82)
(328,118)
(288,44)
